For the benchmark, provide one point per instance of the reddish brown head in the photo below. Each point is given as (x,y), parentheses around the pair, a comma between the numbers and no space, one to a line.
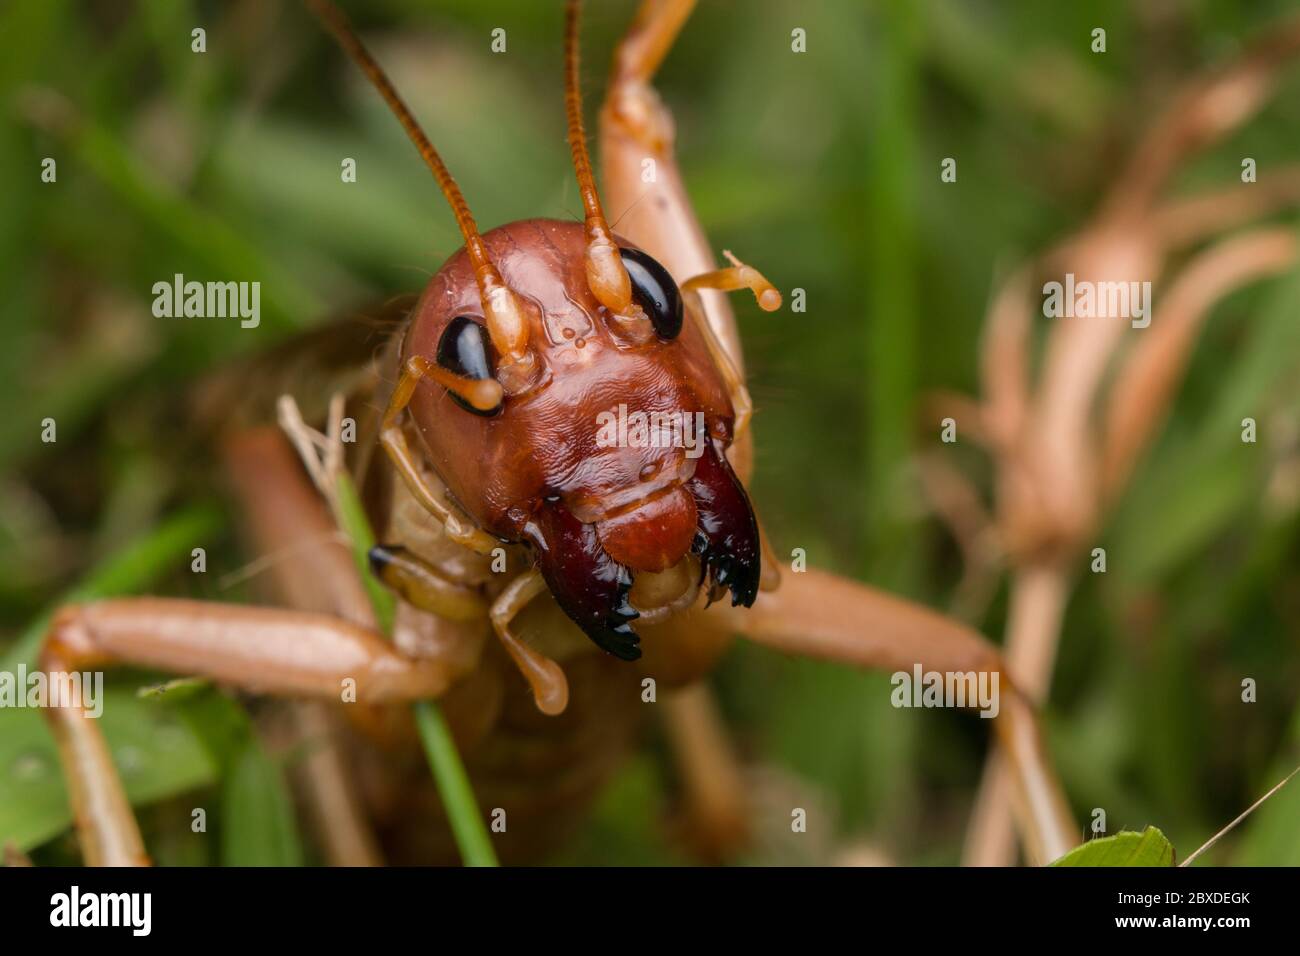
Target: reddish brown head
(567,401)
(612,462)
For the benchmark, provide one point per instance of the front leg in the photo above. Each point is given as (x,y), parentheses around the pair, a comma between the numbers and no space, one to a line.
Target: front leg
(267,650)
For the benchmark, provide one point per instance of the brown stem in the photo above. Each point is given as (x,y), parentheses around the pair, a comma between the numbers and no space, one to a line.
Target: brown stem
(1038,596)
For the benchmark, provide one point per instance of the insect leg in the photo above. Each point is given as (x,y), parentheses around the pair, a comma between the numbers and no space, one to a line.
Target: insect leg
(393,437)
(643,186)
(420,585)
(309,568)
(259,649)
(734,380)
(550,688)
(738,275)
(713,785)
(770,576)
(647,199)
(106,827)
(819,615)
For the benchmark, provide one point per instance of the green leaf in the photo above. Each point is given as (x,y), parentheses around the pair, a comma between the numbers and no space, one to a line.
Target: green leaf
(258,827)
(1148,848)
(157,754)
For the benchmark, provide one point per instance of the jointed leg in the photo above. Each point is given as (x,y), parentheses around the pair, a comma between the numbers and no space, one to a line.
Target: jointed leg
(393,437)
(644,193)
(823,616)
(647,199)
(420,585)
(716,807)
(101,813)
(259,649)
(328,783)
(736,276)
(550,688)
(651,37)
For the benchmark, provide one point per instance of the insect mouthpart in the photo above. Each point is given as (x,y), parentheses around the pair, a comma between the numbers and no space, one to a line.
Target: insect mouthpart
(590,586)
(589,568)
(727,541)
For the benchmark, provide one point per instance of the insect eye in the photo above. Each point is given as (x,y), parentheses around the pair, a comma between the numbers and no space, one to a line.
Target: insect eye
(466,350)
(655,291)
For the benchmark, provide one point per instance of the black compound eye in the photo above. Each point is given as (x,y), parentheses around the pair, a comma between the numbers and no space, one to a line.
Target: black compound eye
(655,291)
(466,349)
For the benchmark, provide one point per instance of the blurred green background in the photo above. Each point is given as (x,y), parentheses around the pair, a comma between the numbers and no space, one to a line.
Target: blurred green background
(822,169)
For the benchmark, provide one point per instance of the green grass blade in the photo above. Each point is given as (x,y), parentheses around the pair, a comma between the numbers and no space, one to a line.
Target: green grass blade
(351,517)
(258,827)
(453,786)
(448,771)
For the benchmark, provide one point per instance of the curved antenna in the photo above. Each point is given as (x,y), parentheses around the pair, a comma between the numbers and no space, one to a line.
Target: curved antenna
(606,276)
(505,318)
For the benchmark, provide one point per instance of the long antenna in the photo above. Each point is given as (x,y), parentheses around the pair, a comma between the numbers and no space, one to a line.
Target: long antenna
(505,319)
(606,275)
